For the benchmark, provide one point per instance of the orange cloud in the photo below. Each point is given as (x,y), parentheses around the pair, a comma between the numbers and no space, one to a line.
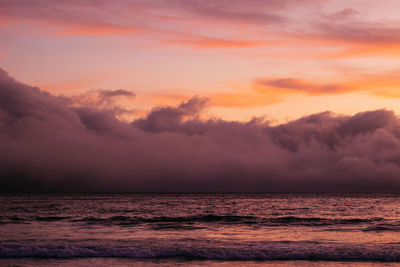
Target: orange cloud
(210,42)
(98,30)
(379,85)
(290,85)
(227,99)
(267,91)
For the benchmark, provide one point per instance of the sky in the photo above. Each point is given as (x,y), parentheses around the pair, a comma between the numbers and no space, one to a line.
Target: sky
(190,96)
(278,59)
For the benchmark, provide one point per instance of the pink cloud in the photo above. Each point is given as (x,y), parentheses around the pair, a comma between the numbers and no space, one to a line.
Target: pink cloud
(49,146)
(208,24)
(302,86)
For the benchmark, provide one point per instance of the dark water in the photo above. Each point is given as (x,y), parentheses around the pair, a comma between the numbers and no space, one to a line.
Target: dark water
(199,229)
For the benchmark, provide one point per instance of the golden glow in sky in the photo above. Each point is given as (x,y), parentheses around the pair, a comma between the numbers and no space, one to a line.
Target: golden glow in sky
(281,59)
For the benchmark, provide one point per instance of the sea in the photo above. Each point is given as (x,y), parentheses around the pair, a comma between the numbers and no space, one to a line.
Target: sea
(229,229)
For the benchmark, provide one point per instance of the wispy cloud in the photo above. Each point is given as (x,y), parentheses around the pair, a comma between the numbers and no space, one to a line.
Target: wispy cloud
(212,24)
(291,84)
(384,85)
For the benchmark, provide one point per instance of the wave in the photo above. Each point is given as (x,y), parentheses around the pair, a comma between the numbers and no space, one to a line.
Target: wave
(26,220)
(383,227)
(180,221)
(230,219)
(318,221)
(126,220)
(51,218)
(297,251)
(208,218)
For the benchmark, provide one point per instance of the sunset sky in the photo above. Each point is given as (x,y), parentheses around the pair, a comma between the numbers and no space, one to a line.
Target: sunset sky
(281,59)
(190,95)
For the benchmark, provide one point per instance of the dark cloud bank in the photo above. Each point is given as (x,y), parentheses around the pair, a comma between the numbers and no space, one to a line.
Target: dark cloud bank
(48,146)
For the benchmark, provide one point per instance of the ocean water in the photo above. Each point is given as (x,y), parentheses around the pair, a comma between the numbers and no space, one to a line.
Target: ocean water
(200,229)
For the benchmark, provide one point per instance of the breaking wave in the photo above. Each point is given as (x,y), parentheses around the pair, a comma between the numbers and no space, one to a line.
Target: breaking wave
(271,251)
